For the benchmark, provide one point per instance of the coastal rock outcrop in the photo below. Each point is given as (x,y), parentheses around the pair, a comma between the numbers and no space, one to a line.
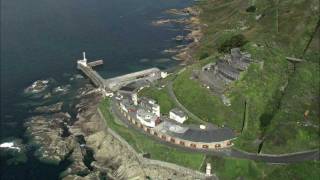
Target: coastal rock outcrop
(37,86)
(49,109)
(47,132)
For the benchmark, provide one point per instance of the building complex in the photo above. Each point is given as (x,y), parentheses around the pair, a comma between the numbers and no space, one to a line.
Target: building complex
(145,114)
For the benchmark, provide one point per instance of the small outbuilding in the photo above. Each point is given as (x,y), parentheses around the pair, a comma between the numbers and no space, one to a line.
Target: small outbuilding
(178,115)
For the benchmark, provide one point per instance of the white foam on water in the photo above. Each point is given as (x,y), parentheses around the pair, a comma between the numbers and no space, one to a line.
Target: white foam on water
(10,145)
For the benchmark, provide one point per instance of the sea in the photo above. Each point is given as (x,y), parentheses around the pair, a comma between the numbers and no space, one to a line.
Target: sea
(43,39)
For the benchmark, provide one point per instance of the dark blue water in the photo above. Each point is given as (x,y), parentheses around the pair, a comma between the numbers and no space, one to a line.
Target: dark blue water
(42,39)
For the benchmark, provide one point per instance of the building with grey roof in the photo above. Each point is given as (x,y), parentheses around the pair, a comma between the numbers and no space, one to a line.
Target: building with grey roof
(195,137)
(178,115)
(172,131)
(218,75)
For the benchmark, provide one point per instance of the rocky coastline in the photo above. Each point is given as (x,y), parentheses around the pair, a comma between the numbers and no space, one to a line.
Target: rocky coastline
(81,138)
(189,17)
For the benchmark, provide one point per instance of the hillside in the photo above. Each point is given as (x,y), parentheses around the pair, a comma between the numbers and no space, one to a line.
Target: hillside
(271,31)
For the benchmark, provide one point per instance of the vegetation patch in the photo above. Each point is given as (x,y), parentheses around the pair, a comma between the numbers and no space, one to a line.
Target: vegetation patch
(295,127)
(235,41)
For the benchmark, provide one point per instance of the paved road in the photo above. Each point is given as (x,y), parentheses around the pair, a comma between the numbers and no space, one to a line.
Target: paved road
(279,159)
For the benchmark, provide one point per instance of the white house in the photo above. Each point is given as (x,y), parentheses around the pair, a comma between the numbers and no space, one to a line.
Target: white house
(147,118)
(178,115)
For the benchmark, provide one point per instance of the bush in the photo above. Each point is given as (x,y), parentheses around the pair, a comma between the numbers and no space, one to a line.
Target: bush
(251,9)
(204,55)
(235,41)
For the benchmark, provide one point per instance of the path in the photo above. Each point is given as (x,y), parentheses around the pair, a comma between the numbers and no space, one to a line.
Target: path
(176,101)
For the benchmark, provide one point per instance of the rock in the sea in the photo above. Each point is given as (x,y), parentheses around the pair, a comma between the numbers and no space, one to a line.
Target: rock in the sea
(61,89)
(46,96)
(37,86)
(13,150)
(50,108)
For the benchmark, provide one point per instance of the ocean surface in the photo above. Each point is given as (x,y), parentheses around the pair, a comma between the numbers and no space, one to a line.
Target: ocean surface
(42,39)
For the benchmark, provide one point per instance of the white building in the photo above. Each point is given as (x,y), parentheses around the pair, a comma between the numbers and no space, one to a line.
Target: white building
(124,105)
(84,60)
(208,170)
(150,105)
(178,115)
(164,74)
(134,98)
(147,118)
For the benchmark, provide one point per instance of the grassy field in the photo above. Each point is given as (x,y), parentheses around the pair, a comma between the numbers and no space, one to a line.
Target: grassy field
(143,144)
(161,96)
(230,169)
(199,101)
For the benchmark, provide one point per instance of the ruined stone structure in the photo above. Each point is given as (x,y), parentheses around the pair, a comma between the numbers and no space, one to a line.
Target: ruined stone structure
(218,75)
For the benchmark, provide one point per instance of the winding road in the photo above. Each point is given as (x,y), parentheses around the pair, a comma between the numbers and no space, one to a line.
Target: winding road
(268,158)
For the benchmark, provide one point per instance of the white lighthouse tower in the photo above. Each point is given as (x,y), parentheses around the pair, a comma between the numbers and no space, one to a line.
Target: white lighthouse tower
(208,170)
(84,60)
(84,57)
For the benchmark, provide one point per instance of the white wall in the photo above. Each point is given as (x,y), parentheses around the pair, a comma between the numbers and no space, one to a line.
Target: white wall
(149,124)
(177,118)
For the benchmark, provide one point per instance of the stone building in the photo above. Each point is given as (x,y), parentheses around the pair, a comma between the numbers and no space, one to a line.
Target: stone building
(218,75)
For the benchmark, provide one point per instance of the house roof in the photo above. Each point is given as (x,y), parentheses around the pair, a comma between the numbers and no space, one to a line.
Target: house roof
(178,112)
(208,135)
(147,116)
(194,133)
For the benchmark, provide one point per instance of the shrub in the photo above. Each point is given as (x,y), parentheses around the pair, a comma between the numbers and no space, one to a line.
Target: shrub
(235,41)
(204,55)
(251,9)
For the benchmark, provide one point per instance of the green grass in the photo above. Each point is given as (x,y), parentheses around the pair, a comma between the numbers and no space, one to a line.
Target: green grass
(230,168)
(259,87)
(143,144)
(161,96)
(296,22)
(199,101)
(301,95)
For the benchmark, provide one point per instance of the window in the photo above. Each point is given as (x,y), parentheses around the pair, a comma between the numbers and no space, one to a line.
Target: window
(148,130)
(229,143)
(163,137)
(181,143)
(172,140)
(193,145)
(205,146)
(217,146)
(155,133)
